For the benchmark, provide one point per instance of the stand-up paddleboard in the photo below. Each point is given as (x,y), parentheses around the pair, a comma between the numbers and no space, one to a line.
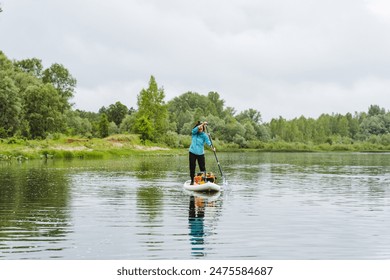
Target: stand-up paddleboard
(207,196)
(205,187)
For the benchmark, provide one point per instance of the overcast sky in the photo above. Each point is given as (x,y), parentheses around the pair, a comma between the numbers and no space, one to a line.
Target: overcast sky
(281,57)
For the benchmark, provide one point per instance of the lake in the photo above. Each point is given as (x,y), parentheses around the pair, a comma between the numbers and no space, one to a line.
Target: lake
(289,206)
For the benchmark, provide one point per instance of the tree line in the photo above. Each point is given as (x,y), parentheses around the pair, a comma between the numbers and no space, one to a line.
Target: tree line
(35,103)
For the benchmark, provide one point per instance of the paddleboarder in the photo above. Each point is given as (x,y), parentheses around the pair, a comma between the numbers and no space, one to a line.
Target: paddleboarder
(196,152)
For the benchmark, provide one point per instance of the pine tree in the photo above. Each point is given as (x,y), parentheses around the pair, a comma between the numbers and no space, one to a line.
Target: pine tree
(152,115)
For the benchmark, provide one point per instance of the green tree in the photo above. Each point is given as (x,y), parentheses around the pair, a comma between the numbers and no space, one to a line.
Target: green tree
(263,133)
(216,105)
(91,116)
(10,106)
(232,130)
(41,107)
(292,133)
(341,126)
(251,119)
(183,117)
(322,129)
(191,105)
(304,127)
(60,77)
(215,127)
(116,112)
(353,124)
(144,127)
(198,115)
(103,110)
(152,115)
(278,127)
(250,132)
(77,125)
(5,63)
(112,128)
(375,125)
(32,66)
(251,114)
(375,110)
(128,124)
(103,126)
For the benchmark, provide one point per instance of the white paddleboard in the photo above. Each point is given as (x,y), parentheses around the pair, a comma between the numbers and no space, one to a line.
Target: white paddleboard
(206,187)
(207,196)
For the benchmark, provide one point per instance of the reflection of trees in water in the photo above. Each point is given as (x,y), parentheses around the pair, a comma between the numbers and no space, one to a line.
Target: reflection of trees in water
(149,209)
(154,167)
(149,202)
(33,209)
(144,170)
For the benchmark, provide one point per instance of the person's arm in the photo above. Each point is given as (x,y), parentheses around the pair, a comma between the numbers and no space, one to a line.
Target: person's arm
(195,130)
(208,142)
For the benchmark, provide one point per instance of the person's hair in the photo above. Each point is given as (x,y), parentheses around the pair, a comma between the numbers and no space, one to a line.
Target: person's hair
(197,124)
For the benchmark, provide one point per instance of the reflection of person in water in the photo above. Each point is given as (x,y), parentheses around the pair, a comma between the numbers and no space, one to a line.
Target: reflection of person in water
(196,224)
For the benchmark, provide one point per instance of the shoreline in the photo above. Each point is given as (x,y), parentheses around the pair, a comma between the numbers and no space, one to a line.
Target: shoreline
(128,145)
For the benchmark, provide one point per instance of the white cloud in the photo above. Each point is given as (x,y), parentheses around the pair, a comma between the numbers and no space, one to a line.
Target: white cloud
(380,8)
(92,99)
(281,57)
(312,99)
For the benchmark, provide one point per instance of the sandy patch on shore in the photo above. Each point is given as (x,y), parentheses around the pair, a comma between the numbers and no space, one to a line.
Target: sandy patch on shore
(152,148)
(75,148)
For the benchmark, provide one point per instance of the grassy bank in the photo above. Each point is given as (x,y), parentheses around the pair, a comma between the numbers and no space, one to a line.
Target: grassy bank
(281,146)
(68,148)
(130,145)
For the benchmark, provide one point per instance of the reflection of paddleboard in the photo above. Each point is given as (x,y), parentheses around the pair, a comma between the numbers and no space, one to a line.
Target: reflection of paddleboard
(207,196)
(206,187)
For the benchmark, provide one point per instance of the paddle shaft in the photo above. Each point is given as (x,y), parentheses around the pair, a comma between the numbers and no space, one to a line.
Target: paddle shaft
(215,153)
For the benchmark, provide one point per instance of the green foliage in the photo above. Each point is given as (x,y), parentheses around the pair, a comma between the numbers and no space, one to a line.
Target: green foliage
(32,100)
(61,79)
(191,107)
(42,110)
(104,126)
(144,127)
(10,106)
(34,103)
(172,139)
(112,128)
(375,110)
(152,115)
(215,105)
(331,128)
(254,129)
(115,112)
(31,66)
(127,124)
(77,125)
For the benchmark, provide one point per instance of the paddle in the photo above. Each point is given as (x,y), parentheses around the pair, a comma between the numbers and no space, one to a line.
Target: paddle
(215,154)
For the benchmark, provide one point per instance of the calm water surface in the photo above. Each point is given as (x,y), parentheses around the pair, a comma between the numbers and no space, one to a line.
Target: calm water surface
(275,206)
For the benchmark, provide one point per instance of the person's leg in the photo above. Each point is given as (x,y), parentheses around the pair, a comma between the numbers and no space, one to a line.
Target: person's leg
(192,159)
(202,165)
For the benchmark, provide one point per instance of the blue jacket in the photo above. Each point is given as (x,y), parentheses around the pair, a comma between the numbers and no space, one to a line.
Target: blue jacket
(198,140)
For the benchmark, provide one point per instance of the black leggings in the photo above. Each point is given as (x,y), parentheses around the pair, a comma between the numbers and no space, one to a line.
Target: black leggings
(201,163)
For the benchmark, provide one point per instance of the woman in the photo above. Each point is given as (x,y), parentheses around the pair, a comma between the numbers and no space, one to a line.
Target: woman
(199,137)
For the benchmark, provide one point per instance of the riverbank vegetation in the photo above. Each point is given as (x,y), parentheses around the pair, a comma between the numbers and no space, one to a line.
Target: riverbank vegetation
(63,147)
(37,119)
